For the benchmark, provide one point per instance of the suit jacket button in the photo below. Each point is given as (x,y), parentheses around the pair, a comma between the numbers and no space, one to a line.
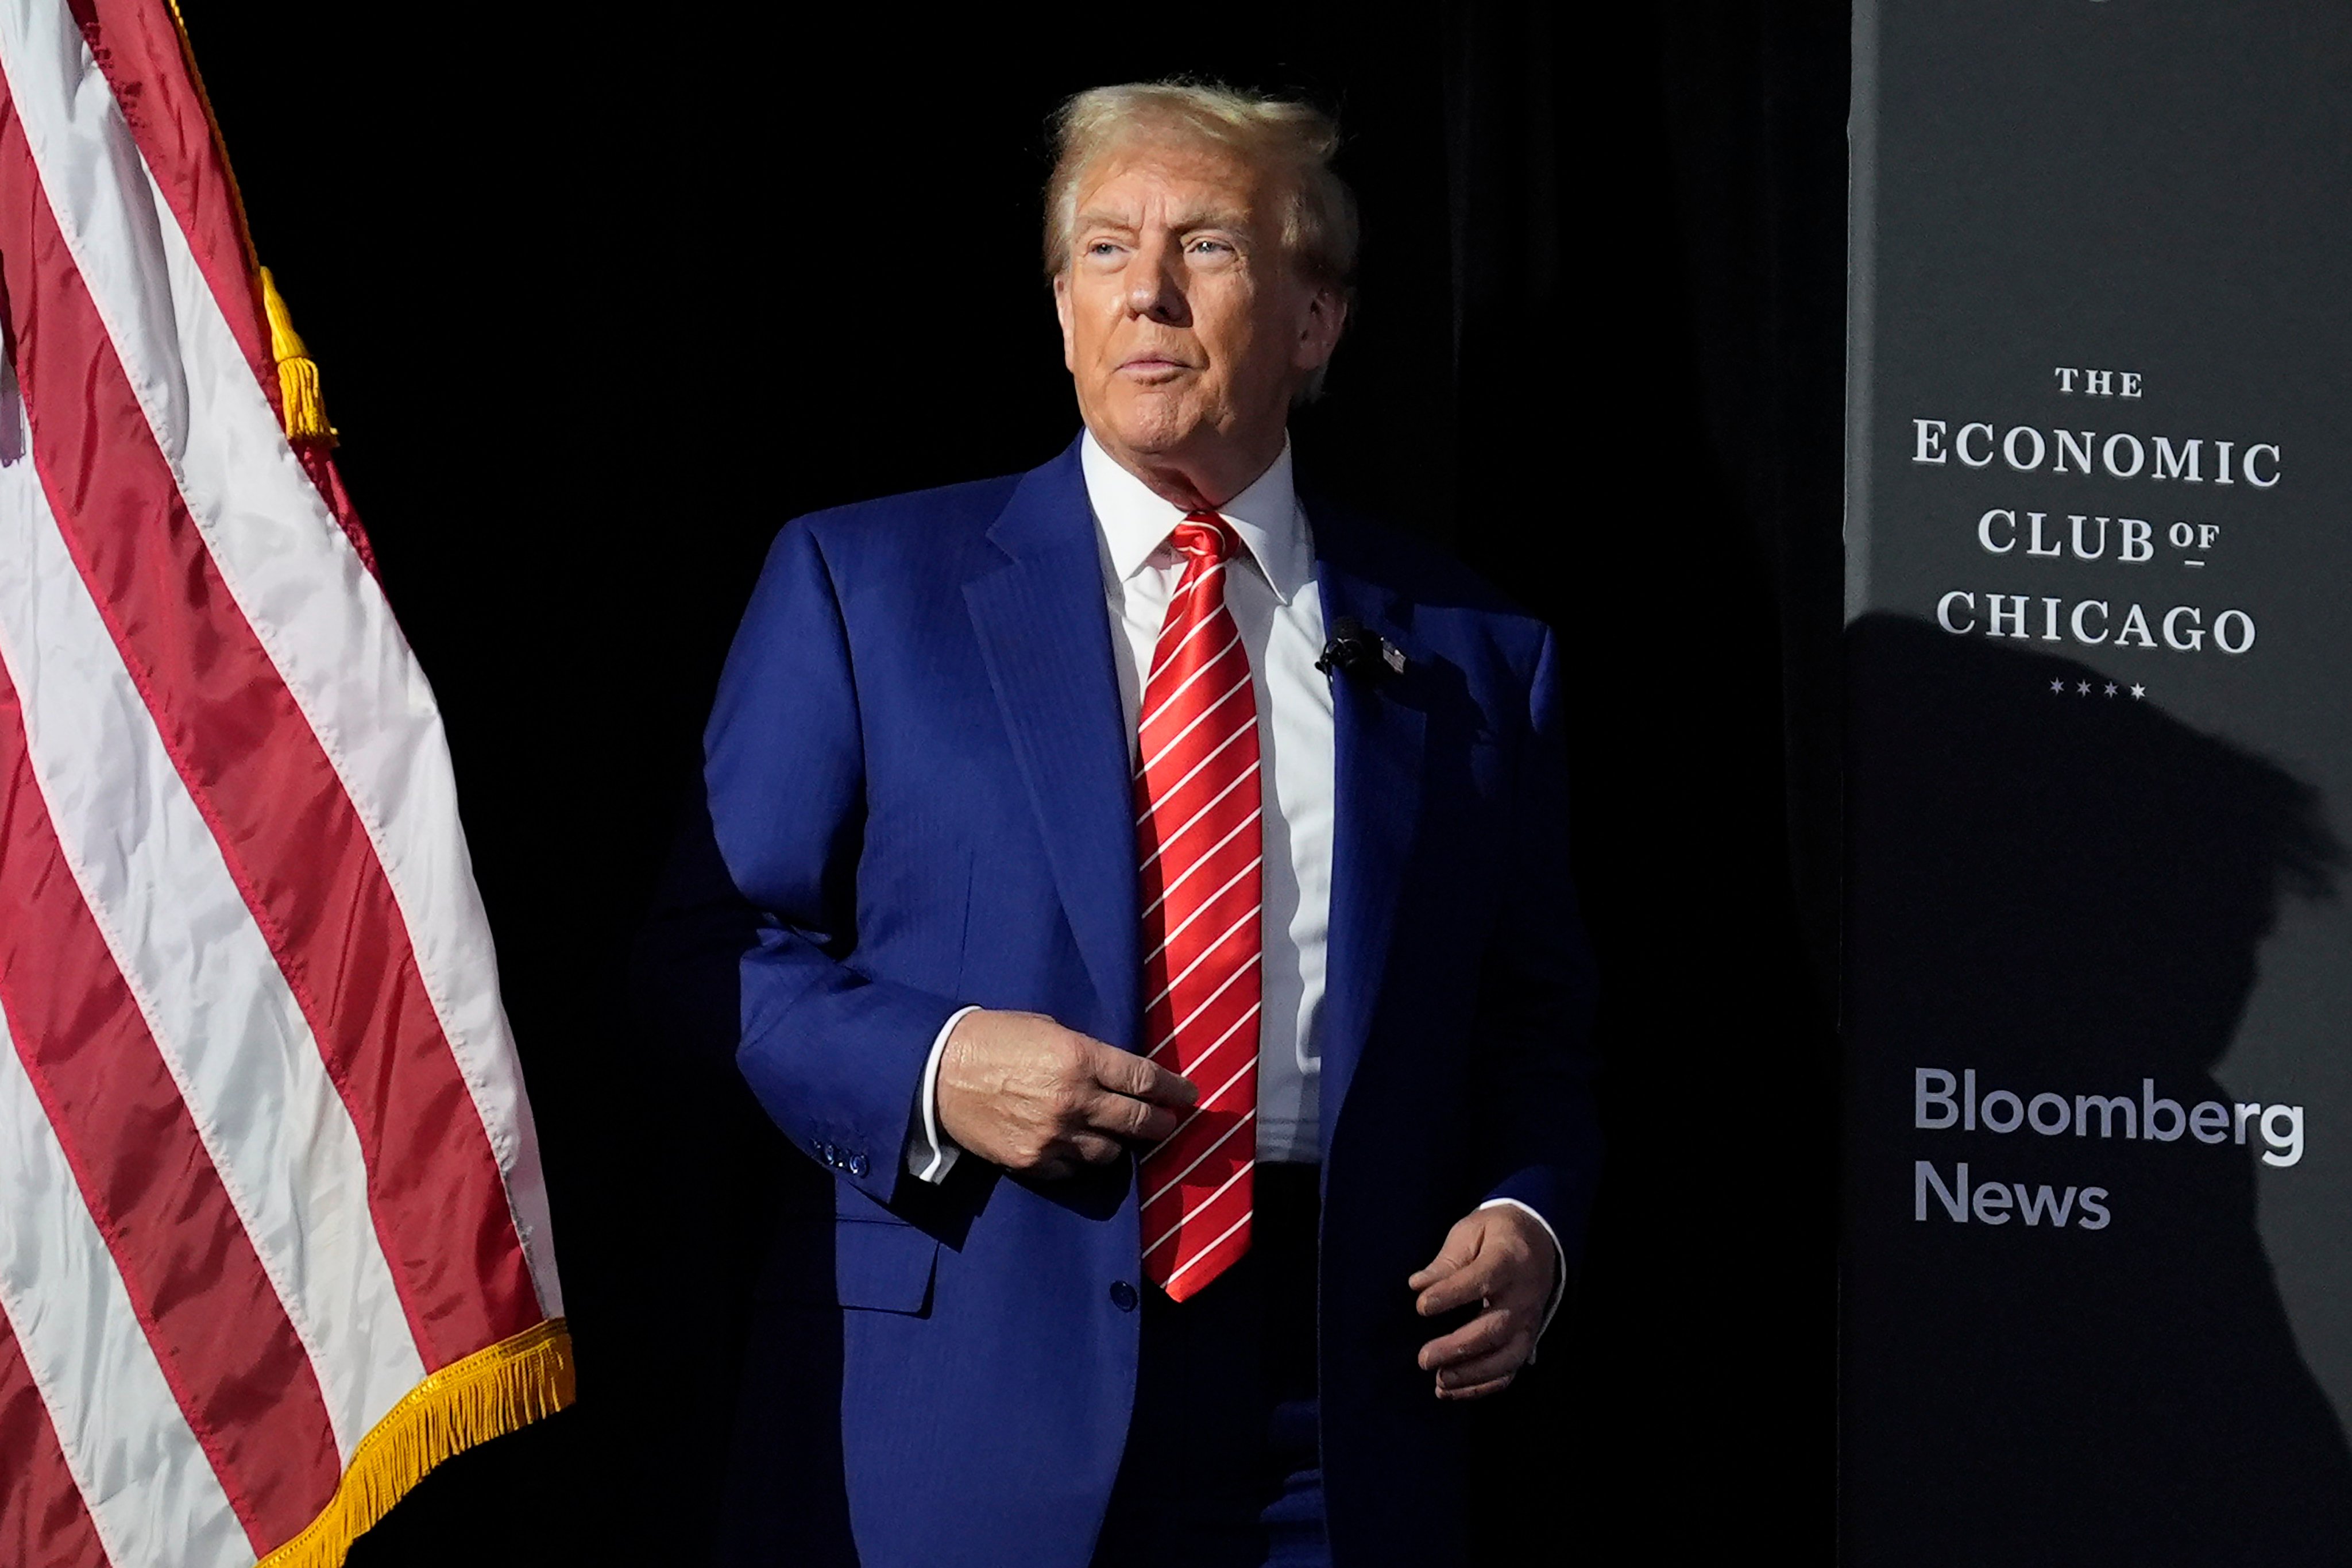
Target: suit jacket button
(1122,1295)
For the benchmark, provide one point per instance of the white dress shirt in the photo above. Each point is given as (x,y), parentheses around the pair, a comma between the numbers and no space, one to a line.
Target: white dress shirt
(1278,608)
(1277,605)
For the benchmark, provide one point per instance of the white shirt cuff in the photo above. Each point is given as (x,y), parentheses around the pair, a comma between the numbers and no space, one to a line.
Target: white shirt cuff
(1559,1267)
(930,1153)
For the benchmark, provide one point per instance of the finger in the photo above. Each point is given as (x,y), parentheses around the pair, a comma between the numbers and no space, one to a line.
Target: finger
(1132,1119)
(1462,1245)
(1503,1363)
(1124,1072)
(1481,1391)
(1478,1280)
(1480,1336)
(1094,1148)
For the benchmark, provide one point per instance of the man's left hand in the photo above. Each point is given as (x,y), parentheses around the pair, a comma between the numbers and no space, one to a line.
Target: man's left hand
(1502,1259)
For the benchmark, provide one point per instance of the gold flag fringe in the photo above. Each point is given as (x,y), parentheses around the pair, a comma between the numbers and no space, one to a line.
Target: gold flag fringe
(488,1393)
(298,373)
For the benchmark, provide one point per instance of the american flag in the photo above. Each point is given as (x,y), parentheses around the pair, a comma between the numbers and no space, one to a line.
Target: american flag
(273,1234)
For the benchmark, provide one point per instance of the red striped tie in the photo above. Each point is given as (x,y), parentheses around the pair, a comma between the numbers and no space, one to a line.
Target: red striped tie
(1197,810)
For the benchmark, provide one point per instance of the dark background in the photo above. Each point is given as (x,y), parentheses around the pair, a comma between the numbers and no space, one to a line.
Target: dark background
(598,308)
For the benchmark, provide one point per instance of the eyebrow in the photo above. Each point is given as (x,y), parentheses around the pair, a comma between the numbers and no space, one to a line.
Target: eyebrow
(1186,224)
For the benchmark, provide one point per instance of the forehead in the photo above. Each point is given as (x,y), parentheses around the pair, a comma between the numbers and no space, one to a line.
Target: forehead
(1146,172)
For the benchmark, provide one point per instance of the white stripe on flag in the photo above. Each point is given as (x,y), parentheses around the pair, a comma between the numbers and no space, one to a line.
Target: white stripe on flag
(219,1008)
(316,611)
(151,1491)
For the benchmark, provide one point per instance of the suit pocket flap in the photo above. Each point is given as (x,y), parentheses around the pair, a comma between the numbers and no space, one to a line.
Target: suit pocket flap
(885,1266)
(880,1264)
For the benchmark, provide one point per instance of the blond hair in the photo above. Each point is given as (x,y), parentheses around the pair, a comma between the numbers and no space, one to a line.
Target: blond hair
(1317,231)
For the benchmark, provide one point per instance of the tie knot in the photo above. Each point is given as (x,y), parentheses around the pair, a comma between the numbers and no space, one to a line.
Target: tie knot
(1205,536)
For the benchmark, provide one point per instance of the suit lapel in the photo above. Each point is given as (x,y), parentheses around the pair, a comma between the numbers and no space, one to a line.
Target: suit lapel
(1044,636)
(1379,736)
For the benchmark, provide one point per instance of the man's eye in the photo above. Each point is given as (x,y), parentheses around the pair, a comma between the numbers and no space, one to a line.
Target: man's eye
(1101,247)
(1210,247)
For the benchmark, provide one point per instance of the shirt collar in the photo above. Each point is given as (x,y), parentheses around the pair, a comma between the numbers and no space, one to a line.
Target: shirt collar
(1135,522)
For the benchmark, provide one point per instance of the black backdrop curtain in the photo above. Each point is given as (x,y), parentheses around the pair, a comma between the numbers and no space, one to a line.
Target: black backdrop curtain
(601,305)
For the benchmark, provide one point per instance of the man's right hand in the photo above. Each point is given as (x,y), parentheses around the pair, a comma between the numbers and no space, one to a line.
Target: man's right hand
(1020,1090)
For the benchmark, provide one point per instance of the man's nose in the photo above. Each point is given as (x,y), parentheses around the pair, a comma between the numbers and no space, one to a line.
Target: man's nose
(1155,285)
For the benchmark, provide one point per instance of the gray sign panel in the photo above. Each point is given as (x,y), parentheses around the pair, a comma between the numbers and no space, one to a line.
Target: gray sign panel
(2098,1300)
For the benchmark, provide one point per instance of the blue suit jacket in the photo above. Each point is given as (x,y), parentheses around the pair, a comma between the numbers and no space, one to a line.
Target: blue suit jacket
(919,798)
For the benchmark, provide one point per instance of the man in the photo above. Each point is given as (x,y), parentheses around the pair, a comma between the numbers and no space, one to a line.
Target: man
(1156,928)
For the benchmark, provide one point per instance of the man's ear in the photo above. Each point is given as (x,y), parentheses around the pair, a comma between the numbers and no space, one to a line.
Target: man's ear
(1325,319)
(1061,314)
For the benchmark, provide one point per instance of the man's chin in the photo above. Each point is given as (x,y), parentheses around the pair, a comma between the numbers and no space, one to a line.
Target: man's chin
(1154,433)
(1158,422)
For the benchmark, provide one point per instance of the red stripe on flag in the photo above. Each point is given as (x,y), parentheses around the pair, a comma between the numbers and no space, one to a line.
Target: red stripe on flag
(291,836)
(43,1521)
(240,1373)
(138,51)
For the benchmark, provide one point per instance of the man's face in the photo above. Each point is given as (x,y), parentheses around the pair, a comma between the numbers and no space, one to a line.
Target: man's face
(1185,328)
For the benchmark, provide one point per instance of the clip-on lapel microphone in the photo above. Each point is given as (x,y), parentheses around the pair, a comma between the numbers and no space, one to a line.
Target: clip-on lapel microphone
(1356,650)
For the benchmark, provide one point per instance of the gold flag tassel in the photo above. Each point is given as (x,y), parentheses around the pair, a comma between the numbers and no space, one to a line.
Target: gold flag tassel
(298,373)
(491,1392)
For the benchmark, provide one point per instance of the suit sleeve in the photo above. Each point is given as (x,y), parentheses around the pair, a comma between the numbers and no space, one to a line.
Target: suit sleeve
(760,908)
(1536,993)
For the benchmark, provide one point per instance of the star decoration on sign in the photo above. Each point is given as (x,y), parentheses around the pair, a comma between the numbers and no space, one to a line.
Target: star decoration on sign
(2139,692)
(2111,688)
(2083,687)
(2058,686)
